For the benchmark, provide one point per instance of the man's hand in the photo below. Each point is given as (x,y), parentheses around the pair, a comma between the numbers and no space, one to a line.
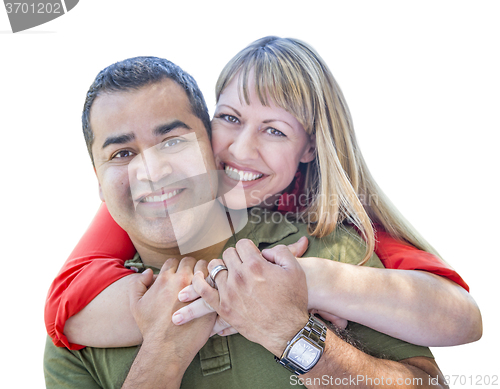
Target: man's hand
(266,302)
(200,307)
(167,349)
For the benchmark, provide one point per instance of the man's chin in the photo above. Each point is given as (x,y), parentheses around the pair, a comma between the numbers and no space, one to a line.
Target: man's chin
(160,232)
(151,212)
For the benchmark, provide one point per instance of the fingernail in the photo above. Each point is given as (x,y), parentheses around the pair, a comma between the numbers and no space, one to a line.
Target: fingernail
(182,296)
(177,318)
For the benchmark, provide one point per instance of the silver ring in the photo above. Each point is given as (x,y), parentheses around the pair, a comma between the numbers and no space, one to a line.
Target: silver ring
(216,271)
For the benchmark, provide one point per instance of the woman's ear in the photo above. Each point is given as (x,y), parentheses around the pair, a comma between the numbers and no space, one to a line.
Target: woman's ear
(310,152)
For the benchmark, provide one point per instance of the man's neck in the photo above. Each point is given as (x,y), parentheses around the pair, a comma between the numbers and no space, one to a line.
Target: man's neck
(156,256)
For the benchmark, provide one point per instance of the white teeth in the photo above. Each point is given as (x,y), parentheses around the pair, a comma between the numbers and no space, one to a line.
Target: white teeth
(241,175)
(163,197)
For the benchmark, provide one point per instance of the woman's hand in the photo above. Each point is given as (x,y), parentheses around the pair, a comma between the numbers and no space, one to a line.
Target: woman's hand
(196,309)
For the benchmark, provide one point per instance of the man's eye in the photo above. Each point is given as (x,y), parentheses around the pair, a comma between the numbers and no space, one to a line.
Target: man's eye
(274,131)
(122,154)
(171,142)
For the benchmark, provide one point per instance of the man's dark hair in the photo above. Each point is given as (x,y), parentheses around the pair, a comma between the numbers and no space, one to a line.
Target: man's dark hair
(135,73)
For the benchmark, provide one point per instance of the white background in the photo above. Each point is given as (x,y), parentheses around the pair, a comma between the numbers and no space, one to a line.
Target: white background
(421,79)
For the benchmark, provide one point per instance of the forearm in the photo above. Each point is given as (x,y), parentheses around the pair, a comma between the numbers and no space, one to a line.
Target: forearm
(154,367)
(167,349)
(344,366)
(107,320)
(406,304)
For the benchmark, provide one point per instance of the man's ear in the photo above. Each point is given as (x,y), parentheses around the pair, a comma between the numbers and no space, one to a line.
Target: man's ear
(310,152)
(101,195)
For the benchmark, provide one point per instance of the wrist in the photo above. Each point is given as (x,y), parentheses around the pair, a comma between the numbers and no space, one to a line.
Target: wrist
(165,351)
(304,351)
(289,331)
(321,282)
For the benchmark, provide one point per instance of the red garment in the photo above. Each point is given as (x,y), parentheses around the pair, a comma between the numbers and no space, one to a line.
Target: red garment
(90,268)
(392,253)
(97,262)
(397,255)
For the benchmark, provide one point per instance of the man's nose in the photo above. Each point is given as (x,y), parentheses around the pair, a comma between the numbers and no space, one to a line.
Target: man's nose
(244,144)
(154,166)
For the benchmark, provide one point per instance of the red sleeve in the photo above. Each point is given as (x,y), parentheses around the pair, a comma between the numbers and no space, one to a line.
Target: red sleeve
(95,263)
(397,255)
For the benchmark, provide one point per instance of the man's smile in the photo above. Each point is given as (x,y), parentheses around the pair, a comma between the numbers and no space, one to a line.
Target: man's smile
(159,196)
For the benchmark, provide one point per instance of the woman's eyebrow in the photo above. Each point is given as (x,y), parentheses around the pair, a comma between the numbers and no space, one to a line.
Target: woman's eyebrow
(265,121)
(228,106)
(277,120)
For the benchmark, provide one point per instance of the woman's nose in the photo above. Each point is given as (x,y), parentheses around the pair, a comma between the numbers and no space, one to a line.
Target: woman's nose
(244,144)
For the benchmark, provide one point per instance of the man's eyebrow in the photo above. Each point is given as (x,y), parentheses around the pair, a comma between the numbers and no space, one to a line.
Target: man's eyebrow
(118,139)
(166,128)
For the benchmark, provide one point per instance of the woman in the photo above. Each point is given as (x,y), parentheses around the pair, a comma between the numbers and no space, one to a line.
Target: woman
(281,124)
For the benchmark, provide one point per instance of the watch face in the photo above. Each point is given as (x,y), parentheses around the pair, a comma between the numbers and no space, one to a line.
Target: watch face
(304,354)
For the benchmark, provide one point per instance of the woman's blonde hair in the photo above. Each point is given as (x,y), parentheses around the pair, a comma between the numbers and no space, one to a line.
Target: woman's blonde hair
(295,78)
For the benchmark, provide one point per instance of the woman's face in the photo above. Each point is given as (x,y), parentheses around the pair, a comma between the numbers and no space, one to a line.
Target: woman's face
(258,147)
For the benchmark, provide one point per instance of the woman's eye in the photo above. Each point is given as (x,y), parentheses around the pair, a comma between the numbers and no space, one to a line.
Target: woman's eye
(122,154)
(229,118)
(274,131)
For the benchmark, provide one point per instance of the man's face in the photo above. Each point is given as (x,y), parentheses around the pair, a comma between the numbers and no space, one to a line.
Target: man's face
(152,155)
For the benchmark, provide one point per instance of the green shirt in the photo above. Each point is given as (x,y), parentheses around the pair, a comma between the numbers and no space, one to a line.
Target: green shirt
(232,361)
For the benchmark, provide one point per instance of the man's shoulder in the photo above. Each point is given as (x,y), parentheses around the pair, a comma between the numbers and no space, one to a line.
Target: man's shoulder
(343,244)
(89,367)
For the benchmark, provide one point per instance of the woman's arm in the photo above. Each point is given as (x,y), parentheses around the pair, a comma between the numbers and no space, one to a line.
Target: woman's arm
(106,321)
(415,306)
(95,263)
(395,254)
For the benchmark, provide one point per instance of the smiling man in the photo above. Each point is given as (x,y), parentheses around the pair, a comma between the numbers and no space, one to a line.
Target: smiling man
(153,160)
(147,131)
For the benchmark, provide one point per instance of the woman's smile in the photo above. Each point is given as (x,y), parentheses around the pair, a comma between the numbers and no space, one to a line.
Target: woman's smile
(259,146)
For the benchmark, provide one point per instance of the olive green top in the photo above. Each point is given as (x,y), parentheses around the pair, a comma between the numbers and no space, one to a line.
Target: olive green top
(232,361)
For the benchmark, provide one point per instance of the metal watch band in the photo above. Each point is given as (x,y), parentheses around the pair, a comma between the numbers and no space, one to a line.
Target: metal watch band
(314,330)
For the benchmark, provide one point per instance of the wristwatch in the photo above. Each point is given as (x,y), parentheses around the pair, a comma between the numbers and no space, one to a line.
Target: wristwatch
(306,348)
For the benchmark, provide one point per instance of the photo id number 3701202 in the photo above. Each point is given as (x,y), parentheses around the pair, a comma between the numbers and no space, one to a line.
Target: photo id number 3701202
(34,8)
(471,380)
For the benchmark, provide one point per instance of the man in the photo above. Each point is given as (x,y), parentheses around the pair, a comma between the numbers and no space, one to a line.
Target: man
(152,108)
